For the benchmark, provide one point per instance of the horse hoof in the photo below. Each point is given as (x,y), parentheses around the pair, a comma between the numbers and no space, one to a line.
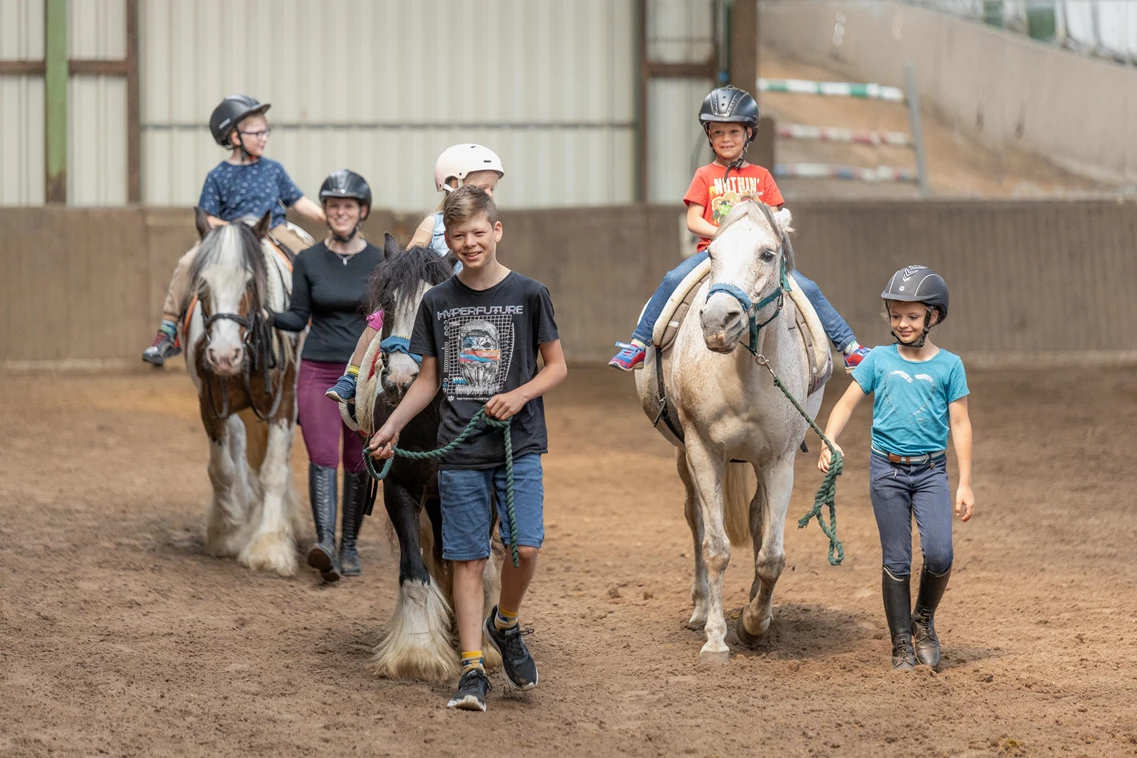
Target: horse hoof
(269,553)
(697,622)
(747,637)
(714,655)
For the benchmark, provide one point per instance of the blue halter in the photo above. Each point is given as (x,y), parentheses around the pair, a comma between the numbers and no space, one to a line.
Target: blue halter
(751,309)
(395,344)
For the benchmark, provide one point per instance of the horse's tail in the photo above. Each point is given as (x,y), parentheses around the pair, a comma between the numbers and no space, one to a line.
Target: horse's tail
(738,491)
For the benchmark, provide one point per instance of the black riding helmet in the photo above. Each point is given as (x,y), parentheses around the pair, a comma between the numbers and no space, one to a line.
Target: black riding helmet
(918,284)
(231,112)
(345,183)
(728,105)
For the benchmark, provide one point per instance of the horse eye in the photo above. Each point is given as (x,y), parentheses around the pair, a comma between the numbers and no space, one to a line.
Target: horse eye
(768,256)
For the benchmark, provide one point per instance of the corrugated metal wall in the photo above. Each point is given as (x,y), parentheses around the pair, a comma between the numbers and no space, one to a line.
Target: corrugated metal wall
(678,31)
(21,105)
(382,87)
(97,120)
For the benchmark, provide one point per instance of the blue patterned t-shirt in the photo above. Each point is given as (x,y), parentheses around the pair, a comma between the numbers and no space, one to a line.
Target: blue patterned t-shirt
(911,399)
(231,192)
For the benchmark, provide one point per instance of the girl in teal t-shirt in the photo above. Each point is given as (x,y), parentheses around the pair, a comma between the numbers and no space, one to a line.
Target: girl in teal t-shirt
(919,398)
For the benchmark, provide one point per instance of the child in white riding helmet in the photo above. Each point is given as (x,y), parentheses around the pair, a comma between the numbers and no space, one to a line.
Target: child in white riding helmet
(919,396)
(730,118)
(457,166)
(245,184)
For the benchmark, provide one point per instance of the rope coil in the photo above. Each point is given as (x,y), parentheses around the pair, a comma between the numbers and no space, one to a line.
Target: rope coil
(420,455)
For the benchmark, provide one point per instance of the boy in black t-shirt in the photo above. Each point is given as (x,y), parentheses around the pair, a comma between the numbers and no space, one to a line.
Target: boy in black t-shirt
(479,334)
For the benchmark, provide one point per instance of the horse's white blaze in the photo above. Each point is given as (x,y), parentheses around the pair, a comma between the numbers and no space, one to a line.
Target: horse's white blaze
(400,368)
(227,280)
(730,410)
(270,548)
(420,643)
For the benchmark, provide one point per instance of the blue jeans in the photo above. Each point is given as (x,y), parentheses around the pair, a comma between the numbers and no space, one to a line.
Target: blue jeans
(835,327)
(898,493)
(467,507)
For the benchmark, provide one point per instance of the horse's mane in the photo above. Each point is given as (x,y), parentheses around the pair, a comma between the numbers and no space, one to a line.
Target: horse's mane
(760,214)
(397,279)
(212,251)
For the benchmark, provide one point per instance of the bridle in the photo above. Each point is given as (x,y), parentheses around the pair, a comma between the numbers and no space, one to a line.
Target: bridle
(261,342)
(749,308)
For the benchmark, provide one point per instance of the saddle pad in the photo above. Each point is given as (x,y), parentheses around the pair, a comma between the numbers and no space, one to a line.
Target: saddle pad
(820,355)
(805,320)
(678,304)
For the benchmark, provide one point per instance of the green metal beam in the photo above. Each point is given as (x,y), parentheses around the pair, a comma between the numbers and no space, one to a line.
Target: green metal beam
(55,100)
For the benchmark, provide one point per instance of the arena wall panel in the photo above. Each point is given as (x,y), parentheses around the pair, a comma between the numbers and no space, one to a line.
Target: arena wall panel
(1032,282)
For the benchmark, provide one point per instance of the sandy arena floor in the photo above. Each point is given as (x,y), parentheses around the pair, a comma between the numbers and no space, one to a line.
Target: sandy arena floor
(119,637)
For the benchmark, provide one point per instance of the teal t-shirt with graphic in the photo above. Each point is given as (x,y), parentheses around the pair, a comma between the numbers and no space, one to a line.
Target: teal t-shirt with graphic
(911,399)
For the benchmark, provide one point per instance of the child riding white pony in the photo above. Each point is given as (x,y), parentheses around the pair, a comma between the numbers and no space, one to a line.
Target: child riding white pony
(730,411)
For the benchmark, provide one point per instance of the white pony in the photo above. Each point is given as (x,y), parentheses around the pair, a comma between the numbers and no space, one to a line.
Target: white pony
(245,374)
(730,411)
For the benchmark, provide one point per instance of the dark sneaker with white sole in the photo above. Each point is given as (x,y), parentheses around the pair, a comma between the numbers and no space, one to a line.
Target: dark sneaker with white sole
(518,666)
(472,689)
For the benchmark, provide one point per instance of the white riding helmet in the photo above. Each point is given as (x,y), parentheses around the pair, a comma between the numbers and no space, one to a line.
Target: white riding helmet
(459,161)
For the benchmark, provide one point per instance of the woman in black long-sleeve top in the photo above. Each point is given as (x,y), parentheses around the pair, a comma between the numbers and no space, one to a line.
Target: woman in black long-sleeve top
(329,285)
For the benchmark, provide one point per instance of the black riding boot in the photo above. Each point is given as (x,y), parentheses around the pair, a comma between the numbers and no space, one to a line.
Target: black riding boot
(322,493)
(898,611)
(354,495)
(932,588)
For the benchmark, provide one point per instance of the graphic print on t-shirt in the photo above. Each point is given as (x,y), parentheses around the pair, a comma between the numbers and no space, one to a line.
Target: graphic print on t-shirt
(479,348)
(723,195)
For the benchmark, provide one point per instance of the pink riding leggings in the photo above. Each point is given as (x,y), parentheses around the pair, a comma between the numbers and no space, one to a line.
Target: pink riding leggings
(320,419)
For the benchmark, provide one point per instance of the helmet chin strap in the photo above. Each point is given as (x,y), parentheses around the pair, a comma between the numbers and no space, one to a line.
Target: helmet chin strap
(923,336)
(737,163)
(245,154)
(354,230)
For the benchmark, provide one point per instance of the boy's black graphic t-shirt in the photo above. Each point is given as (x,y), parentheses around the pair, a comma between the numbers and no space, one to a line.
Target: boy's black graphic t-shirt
(486,343)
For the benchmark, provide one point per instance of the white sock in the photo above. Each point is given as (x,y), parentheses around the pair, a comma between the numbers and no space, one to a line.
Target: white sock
(852,347)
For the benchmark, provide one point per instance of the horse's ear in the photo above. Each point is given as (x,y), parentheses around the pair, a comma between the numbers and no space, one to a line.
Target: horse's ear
(261,227)
(390,247)
(784,219)
(201,220)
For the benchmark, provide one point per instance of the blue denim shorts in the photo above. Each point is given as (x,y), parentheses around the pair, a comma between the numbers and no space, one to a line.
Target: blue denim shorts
(467,507)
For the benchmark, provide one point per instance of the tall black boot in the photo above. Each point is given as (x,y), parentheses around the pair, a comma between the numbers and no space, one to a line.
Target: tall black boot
(354,497)
(322,493)
(932,588)
(898,611)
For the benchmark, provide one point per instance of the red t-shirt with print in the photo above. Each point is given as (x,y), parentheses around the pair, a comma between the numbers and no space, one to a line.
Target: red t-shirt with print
(718,198)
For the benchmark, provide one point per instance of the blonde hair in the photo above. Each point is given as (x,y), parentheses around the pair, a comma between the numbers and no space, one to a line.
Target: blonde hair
(468,202)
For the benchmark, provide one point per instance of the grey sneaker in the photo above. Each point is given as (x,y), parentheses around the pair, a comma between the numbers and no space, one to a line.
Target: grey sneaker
(518,666)
(472,689)
(160,349)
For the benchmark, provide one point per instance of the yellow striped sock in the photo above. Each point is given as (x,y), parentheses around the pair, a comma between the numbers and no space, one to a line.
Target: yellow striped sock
(504,619)
(472,659)
(352,371)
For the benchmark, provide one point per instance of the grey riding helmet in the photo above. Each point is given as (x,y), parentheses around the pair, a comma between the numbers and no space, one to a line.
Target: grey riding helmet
(918,284)
(727,105)
(344,183)
(230,112)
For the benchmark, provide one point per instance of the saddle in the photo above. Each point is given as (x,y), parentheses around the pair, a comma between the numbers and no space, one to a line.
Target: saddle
(805,322)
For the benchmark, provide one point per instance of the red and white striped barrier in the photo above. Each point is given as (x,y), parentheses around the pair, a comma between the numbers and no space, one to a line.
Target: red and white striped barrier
(850,173)
(837,134)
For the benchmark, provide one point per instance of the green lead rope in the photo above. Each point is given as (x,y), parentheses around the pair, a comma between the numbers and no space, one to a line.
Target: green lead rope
(479,418)
(827,493)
